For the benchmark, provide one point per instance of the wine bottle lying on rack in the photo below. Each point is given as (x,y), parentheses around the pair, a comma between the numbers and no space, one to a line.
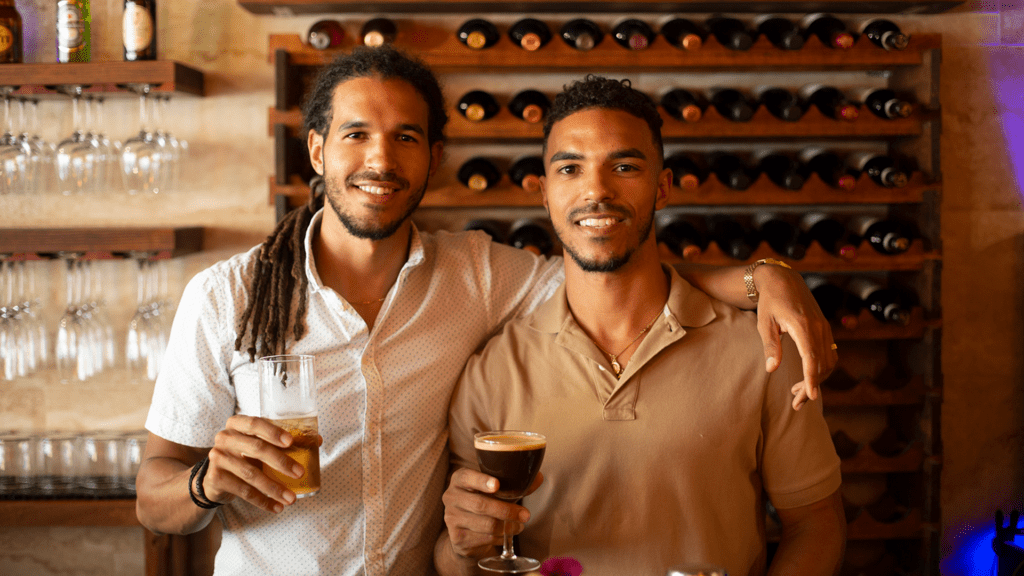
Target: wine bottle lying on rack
(732,104)
(688,171)
(683,105)
(829,233)
(782,103)
(884,304)
(731,237)
(885,34)
(829,167)
(493,228)
(530,235)
(682,236)
(885,236)
(782,169)
(830,297)
(829,101)
(582,34)
(478,106)
(378,31)
(530,34)
(529,105)
(829,29)
(730,32)
(732,171)
(325,34)
(883,170)
(883,103)
(783,237)
(526,172)
(781,32)
(478,174)
(633,34)
(478,34)
(684,34)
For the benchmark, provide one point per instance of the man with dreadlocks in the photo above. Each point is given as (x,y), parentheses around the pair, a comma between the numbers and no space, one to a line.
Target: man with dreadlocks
(391,313)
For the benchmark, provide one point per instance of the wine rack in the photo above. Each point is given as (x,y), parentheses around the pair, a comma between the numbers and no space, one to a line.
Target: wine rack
(863,387)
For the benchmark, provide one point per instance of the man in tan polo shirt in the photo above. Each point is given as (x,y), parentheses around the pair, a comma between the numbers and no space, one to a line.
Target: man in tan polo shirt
(664,432)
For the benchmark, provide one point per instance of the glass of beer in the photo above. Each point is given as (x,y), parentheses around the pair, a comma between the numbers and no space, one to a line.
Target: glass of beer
(288,400)
(514,458)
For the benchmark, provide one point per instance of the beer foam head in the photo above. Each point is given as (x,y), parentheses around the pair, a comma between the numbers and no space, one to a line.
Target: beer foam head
(509,441)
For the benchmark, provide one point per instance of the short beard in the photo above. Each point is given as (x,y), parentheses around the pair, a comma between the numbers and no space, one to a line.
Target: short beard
(373,231)
(614,263)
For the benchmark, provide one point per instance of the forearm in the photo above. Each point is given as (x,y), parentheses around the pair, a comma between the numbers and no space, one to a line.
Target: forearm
(723,283)
(163,504)
(814,544)
(447,563)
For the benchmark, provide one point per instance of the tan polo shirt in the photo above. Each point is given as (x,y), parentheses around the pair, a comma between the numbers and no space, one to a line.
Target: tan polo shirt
(667,465)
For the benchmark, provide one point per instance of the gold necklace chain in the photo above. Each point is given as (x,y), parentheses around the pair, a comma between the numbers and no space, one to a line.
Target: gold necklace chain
(616,367)
(381,299)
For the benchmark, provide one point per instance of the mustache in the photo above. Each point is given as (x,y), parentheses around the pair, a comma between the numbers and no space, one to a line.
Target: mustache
(597,209)
(389,177)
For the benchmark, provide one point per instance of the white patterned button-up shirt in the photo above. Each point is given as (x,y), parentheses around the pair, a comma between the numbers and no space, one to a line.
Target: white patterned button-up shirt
(382,396)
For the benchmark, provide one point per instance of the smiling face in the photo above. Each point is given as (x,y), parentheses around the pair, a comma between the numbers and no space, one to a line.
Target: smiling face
(604,180)
(375,158)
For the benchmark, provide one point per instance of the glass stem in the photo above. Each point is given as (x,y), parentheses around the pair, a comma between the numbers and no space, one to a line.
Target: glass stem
(507,552)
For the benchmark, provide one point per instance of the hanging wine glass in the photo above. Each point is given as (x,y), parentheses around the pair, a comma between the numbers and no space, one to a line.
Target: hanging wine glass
(14,154)
(44,152)
(140,157)
(75,158)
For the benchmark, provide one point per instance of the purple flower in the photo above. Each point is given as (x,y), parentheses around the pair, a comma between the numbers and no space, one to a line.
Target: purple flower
(561,566)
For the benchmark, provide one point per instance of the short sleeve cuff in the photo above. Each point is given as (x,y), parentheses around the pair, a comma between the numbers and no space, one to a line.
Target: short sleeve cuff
(809,495)
(182,433)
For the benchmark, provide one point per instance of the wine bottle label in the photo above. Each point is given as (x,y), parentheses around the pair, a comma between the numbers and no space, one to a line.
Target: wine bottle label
(70,26)
(6,39)
(137,27)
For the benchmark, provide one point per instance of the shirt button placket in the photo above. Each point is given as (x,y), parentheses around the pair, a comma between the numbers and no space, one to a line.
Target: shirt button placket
(372,474)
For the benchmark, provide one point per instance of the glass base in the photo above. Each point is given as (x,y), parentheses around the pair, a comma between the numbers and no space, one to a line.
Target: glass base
(513,565)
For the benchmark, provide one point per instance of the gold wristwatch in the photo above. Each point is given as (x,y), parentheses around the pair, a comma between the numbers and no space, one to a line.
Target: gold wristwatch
(748,276)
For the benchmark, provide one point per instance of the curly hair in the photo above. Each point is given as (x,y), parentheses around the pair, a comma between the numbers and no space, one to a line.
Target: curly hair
(386,63)
(267,321)
(600,92)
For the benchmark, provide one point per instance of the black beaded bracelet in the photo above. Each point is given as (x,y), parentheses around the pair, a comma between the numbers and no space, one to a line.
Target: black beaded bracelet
(199,496)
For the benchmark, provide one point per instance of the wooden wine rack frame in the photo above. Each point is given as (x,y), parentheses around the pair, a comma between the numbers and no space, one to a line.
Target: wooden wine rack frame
(914,69)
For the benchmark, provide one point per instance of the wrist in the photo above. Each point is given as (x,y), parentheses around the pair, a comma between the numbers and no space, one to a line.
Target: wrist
(760,274)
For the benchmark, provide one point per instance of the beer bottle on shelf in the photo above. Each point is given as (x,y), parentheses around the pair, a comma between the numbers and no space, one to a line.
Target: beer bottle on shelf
(684,34)
(478,174)
(781,32)
(526,171)
(682,236)
(478,34)
(633,34)
(829,101)
(734,240)
(138,30)
(732,104)
(529,34)
(829,29)
(829,167)
(884,304)
(846,447)
(325,34)
(478,106)
(11,45)
(883,170)
(493,228)
(782,103)
(529,105)
(830,298)
(783,237)
(782,169)
(378,31)
(530,235)
(885,236)
(582,34)
(732,171)
(883,103)
(688,172)
(829,233)
(730,33)
(885,34)
(74,34)
(683,105)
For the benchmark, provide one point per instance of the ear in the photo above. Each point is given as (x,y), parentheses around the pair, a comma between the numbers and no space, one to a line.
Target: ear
(436,154)
(664,187)
(544,193)
(315,143)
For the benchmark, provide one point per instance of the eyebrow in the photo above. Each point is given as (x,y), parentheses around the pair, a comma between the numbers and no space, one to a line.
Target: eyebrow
(618,154)
(361,124)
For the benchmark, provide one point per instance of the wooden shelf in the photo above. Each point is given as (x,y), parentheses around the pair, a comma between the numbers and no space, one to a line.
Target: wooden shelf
(109,77)
(164,241)
(297,7)
(818,260)
(865,393)
(711,128)
(869,328)
(440,49)
(99,512)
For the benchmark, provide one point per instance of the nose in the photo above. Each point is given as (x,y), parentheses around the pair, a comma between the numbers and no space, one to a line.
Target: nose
(596,187)
(380,155)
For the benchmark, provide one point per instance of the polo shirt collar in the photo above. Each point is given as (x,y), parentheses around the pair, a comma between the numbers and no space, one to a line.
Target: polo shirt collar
(416,252)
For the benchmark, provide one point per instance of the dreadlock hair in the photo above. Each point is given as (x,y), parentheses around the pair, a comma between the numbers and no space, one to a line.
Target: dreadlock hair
(280,269)
(600,92)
